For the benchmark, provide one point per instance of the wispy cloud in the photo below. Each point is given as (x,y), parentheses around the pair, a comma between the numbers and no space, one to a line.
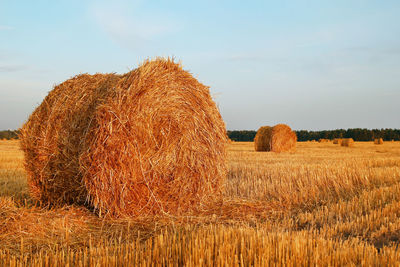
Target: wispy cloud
(129,25)
(5,28)
(12,68)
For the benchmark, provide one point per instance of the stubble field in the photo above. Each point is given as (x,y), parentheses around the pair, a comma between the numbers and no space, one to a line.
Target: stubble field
(322,205)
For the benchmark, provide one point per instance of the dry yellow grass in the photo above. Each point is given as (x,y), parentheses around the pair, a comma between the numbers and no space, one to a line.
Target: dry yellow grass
(323,205)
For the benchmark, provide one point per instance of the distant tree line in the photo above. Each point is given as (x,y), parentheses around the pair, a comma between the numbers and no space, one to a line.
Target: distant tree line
(242,136)
(357,134)
(9,134)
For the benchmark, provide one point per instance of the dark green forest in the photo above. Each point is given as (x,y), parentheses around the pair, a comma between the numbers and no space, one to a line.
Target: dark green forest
(357,134)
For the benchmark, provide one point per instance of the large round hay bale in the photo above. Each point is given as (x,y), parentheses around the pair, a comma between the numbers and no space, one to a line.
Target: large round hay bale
(279,138)
(347,142)
(150,141)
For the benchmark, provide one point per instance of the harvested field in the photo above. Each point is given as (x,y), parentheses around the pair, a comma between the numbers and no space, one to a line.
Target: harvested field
(278,209)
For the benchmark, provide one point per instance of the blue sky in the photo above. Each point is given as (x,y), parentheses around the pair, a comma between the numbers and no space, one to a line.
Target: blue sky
(311,64)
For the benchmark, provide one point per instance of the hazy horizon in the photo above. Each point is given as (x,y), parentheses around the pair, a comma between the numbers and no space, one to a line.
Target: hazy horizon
(313,66)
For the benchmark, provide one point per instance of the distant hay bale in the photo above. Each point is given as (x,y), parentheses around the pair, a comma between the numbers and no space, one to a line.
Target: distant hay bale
(322,140)
(262,140)
(337,141)
(378,141)
(279,138)
(147,142)
(347,142)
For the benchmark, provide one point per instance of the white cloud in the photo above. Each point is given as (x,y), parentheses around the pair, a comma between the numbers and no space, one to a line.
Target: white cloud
(130,25)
